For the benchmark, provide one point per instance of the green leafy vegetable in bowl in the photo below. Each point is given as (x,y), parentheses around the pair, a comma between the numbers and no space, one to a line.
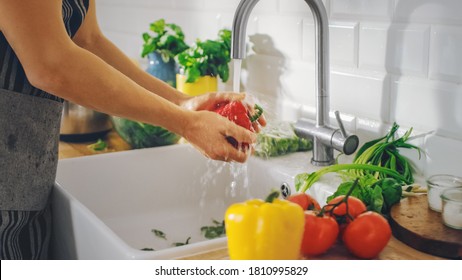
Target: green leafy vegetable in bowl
(210,57)
(140,135)
(165,38)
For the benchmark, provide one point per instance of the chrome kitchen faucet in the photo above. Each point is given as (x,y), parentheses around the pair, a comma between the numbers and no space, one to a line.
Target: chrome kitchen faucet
(324,137)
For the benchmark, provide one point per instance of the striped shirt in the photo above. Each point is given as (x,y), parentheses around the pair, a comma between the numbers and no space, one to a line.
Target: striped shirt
(12,75)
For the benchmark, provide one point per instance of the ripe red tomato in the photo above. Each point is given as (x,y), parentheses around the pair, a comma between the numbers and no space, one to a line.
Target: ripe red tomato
(320,233)
(306,201)
(367,235)
(355,207)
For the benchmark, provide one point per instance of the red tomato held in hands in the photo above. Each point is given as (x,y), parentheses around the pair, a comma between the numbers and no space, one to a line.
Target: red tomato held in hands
(320,233)
(306,201)
(367,235)
(236,112)
(355,207)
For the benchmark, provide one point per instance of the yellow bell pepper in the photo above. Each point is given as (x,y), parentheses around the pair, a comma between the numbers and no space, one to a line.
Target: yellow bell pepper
(264,230)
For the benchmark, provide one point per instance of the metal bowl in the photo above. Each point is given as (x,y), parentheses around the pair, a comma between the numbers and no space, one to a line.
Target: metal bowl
(79,123)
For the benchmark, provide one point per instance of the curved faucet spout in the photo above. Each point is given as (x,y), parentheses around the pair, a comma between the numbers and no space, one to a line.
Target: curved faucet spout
(322,152)
(238,50)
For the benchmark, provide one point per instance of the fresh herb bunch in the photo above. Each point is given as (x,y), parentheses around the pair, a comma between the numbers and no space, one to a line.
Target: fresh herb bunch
(379,158)
(210,57)
(165,38)
(377,194)
(384,152)
(304,181)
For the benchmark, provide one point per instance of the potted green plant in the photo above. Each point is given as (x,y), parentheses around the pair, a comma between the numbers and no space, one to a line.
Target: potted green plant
(161,44)
(202,63)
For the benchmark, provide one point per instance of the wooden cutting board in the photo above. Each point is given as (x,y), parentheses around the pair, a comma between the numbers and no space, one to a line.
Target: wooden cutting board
(415,224)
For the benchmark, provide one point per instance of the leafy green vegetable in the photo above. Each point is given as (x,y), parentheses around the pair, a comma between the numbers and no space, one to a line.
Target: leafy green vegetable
(391,191)
(159,234)
(141,135)
(377,195)
(379,158)
(177,244)
(215,231)
(210,57)
(165,38)
(304,181)
(278,139)
(385,152)
(147,249)
(100,145)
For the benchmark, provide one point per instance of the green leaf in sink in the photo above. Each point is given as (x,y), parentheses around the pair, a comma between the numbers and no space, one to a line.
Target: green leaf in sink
(147,249)
(159,233)
(214,231)
(177,244)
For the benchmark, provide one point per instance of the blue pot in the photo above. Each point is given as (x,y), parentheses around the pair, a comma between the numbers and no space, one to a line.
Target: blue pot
(165,71)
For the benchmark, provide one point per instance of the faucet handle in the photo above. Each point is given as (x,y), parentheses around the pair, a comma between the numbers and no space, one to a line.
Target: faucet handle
(340,124)
(346,144)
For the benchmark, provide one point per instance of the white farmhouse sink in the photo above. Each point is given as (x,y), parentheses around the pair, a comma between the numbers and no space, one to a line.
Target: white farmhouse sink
(105,206)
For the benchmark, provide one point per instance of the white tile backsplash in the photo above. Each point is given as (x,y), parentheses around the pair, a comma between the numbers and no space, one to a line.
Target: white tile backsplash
(266,7)
(443,156)
(391,60)
(409,52)
(281,36)
(373,45)
(188,4)
(294,6)
(445,42)
(361,9)
(361,94)
(344,43)
(427,105)
(429,11)
(221,5)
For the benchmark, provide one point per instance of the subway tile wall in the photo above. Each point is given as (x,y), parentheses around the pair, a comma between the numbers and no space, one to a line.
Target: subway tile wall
(391,60)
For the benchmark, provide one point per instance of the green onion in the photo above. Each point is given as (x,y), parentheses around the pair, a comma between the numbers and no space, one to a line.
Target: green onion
(304,181)
(379,158)
(384,152)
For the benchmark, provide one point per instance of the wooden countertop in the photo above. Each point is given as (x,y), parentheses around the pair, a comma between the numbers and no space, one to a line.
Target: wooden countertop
(79,149)
(395,250)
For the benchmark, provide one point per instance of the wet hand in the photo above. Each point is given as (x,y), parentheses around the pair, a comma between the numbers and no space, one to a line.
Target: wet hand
(208,132)
(209,102)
